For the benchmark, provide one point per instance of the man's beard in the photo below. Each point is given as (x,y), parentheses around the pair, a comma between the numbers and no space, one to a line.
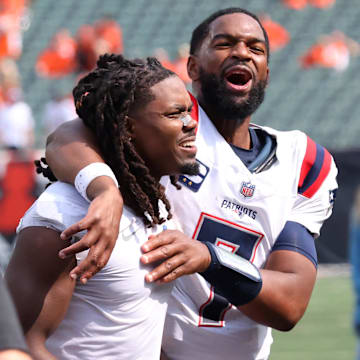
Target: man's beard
(190,168)
(225,102)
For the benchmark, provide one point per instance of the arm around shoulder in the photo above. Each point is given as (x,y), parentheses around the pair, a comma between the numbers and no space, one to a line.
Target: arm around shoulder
(70,148)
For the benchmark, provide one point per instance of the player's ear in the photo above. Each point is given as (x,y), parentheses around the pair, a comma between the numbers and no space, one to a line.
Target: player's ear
(193,67)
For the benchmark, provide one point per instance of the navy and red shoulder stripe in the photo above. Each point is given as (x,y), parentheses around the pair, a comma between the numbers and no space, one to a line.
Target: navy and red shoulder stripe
(314,169)
(195,109)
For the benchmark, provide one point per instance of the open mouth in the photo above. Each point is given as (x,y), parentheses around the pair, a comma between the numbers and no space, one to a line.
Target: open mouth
(188,145)
(239,79)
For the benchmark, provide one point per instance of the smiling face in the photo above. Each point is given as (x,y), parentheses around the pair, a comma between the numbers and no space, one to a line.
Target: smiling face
(162,137)
(230,68)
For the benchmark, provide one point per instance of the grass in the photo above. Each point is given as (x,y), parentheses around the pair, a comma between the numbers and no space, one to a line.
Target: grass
(325,332)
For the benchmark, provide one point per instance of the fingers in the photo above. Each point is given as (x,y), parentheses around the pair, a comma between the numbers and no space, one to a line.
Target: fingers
(160,253)
(163,245)
(168,271)
(102,225)
(96,259)
(86,223)
(73,249)
(168,246)
(88,240)
(155,241)
(180,255)
(72,230)
(93,263)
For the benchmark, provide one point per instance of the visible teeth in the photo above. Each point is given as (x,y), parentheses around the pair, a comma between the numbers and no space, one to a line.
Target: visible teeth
(188,144)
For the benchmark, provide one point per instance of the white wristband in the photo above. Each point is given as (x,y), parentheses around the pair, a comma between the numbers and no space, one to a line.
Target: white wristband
(90,172)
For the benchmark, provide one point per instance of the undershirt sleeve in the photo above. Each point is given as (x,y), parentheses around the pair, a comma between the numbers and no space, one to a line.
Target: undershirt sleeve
(296,237)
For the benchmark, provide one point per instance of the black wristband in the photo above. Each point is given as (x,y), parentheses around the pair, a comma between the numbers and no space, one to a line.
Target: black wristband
(233,277)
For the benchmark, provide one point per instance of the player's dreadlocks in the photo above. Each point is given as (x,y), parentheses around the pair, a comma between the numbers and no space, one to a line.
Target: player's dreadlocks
(103,100)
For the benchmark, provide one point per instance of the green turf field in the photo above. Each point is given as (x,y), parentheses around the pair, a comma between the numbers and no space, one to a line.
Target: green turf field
(325,332)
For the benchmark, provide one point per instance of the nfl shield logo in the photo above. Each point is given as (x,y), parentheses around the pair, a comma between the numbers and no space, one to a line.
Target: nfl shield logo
(247,190)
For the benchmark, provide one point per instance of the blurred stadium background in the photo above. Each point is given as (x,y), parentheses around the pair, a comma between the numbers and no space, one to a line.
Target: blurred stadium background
(314,69)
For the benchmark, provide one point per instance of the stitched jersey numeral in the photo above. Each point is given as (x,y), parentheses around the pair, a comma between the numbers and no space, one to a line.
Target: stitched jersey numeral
(234,238)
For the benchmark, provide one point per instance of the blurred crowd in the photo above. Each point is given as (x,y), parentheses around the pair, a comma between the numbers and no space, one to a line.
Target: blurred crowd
(16,120)
(69,54)
(301,4)
(66,54)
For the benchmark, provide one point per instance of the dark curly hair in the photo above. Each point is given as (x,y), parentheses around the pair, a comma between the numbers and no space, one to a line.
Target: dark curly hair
(103,100)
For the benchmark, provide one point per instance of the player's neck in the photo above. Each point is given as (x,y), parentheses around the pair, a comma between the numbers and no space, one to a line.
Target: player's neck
(234,131)
(241,136)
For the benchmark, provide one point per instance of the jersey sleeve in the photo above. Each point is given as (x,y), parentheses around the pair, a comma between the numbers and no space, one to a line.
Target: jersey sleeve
(58,207)
(316,188)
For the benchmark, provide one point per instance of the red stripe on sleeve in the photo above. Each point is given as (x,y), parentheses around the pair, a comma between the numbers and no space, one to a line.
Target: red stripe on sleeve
(195,109)
(321,177)
(309,160)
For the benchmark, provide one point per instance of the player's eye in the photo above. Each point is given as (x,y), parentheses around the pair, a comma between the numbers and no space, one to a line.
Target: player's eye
(223,44)
(257,49)
(174,115)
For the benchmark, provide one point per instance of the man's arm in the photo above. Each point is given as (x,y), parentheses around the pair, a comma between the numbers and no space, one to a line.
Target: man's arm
(287,280)
(70,148)
(40,285)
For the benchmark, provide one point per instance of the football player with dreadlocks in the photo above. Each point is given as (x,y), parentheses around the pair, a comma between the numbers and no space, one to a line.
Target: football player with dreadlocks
(138,112)
(258,204)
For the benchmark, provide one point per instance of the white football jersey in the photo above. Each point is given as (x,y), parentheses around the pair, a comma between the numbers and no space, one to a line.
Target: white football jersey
(244,213)
(116,315)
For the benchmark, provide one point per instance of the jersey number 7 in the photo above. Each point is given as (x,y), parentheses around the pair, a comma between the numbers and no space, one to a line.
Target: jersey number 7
(234,238)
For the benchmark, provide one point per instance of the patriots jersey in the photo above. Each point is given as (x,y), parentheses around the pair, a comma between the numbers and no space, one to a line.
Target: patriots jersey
(243,212)
(116,315)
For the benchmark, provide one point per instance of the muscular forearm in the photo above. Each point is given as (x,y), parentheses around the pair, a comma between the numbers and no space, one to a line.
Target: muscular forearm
(70,148)
(281,300)
(104,184)
(285,294)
